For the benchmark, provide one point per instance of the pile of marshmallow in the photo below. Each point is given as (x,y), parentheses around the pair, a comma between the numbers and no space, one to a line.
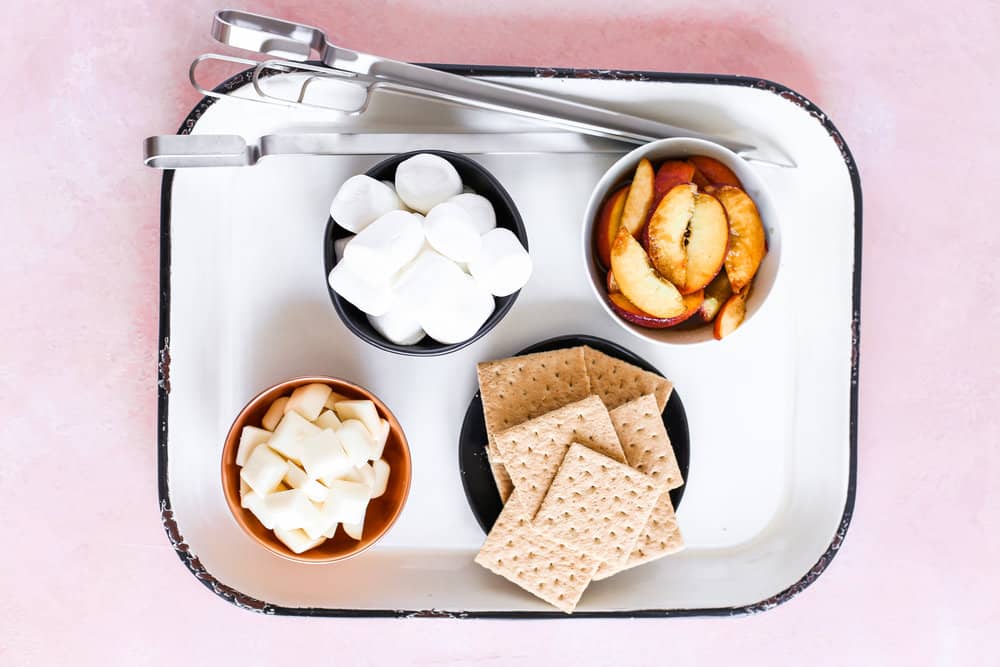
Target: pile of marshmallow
(427,257)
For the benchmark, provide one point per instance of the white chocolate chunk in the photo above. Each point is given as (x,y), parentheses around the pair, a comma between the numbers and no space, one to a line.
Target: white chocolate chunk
(381,438)
(364,411)
(363,474)
(360,201)
(264,470)
(250,437)
(347,502)
(451,231)
(333,399)
(297,478)
(425,180)
(292,430)
(480,210)
(381,481)
(355,530)
(369,292)
(503,266)
(297,540)
(274,413)
(257,504)
(292,509)
(323,455)
(357,441)
(327,419)
(387,244)
(308,400)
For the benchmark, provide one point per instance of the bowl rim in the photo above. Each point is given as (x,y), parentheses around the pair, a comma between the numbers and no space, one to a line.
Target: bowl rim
(334,231)
(231,442)
(763,199)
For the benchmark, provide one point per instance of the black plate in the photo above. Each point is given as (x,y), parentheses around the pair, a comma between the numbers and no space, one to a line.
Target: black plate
(477,479)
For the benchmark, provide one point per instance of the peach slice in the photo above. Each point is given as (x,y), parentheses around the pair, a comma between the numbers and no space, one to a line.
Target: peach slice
(613,287)
(639,281)
(714,172)
(629,312)
(747,242)
(639,199)
(670,174)
(716,294)
(608,220)
(730,315)
(687,238)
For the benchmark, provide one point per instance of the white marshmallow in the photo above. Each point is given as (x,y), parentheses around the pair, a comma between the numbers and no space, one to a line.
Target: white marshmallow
(384,246)
(401,206)
(425,281)
(357,284)
(398,326)
(424,181)
(339,245)
(503,266)
(451,231)
(360,201)
(479,209)
(458,315)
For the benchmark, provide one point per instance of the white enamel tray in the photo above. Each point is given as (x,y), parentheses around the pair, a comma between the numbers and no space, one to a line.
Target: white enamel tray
(772,410)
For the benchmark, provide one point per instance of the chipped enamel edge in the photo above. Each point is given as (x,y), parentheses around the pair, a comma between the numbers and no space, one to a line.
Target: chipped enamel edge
(249,603)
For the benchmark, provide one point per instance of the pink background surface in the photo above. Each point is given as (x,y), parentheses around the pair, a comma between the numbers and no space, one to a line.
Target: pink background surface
(87,575)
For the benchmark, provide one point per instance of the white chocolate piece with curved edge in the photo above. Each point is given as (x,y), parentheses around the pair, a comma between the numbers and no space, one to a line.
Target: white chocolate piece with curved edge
(363,410)
(250,437)
(274,413)
(308,400)
(381,469)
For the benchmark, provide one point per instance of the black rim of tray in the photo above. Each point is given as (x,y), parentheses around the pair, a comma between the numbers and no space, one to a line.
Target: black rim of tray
(245,601)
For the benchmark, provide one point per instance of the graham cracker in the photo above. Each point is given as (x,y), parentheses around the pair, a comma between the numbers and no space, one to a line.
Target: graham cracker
(617,382)
(533,450)
(596,505)
(644,438)
(660,537)
(500,476)
(517,389)
(519,553)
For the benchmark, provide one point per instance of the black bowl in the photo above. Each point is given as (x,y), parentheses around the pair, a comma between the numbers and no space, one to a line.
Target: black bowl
(484,183)
(477,478)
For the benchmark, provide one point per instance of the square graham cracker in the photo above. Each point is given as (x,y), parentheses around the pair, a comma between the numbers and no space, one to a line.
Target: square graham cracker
(617,382)
(660,537)
(517,389)
(597,506)
(640,430)
(526,557)
(533,451)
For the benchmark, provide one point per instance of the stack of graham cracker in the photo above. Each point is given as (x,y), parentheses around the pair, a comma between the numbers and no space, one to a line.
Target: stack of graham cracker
(584,467)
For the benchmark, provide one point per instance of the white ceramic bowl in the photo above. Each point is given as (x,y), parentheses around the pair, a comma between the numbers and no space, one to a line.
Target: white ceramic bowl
(679,148)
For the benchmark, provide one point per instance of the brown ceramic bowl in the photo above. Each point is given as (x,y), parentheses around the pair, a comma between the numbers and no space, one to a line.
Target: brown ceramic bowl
(382,511)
